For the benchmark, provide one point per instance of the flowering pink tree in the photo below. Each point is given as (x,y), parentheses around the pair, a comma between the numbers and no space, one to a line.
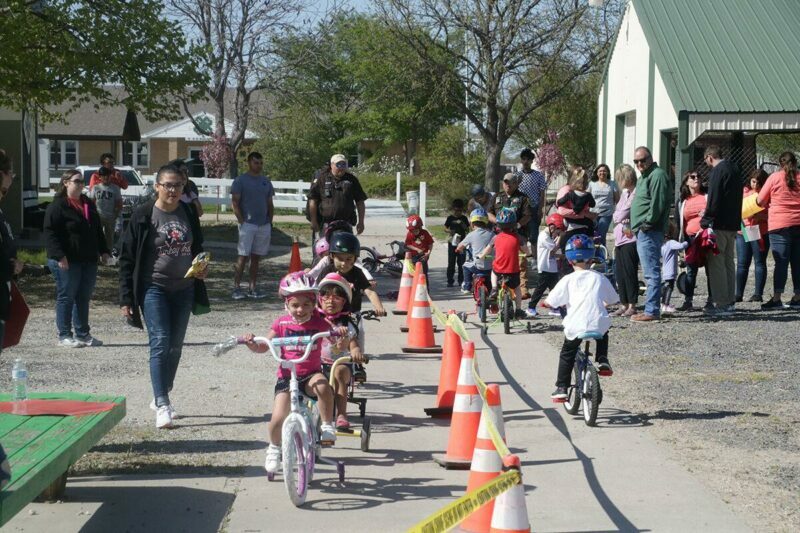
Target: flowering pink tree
(216,157)
(549,157)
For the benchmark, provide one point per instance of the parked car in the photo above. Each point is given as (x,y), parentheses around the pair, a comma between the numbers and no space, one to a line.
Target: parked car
(138,190)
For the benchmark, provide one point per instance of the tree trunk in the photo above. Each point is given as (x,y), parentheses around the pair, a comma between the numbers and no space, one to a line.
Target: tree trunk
(494,152)
(234,168)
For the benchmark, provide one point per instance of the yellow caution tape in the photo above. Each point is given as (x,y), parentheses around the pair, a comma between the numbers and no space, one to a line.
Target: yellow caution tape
(456,512)
(441,317)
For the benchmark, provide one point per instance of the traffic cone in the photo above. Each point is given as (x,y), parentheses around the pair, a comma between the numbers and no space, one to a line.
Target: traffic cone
(448,374)
(404,295)
(418,271)
(510,512)
(486,463)
(295,264)
(466,416)
(420,331)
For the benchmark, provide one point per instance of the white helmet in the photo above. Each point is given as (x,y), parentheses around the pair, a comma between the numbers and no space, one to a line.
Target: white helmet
(334,278)
(296,283)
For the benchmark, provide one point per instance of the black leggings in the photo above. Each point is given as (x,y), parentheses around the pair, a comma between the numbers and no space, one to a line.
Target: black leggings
(545,281)
(667,286)
(568,352)
(626,270)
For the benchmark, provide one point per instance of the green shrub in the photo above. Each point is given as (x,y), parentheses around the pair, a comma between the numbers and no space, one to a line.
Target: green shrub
(384,185)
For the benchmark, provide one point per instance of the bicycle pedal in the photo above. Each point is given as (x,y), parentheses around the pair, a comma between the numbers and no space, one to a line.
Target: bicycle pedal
(327,443)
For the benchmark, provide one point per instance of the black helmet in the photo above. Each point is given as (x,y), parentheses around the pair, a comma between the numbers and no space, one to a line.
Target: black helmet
(344,243)
(478,190)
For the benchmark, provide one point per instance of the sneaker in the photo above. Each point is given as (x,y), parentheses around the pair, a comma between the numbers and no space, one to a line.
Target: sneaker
(69,342)
(709,305)
(530,313)
(685,306)
(794,304)
(667,309)
(451,283)
(342,423)
(604,369)
(643,317)
(728,310)
(772,304)
(739,299)
(328,434)
(756,298)
(520,314)
(89,341)
(273,462)
(256,294)
(163,417)
(619,311)
(554,312)
(238,294)
(493,294)
(465,291)
(559,395)
(172,412)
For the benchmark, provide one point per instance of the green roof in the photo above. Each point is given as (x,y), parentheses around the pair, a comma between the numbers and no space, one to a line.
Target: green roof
(725,55)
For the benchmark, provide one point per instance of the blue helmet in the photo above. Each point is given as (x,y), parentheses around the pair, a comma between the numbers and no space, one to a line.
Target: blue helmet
(580,248)
(479,215)
(506,217)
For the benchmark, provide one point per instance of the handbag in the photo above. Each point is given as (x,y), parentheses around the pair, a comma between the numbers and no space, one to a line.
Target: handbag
(201,305)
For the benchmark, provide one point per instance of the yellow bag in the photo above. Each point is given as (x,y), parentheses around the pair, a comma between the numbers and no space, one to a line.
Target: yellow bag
(750,207)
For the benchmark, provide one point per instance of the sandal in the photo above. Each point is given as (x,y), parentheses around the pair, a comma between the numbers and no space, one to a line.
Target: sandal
(342,423)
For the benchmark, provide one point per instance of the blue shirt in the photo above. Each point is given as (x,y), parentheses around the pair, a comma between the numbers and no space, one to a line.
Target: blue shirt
(532,184)
(254,193)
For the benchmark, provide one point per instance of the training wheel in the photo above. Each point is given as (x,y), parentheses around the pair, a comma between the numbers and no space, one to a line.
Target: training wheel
(365,434)
(362,408)
(340,471)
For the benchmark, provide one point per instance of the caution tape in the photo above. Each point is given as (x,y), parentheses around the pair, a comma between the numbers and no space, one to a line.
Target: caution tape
(455,513)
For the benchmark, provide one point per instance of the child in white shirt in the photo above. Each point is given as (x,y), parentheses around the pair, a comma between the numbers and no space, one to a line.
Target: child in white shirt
(547,246)
(669,269)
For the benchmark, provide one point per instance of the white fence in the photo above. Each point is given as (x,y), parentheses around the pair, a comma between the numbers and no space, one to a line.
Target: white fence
(288,194)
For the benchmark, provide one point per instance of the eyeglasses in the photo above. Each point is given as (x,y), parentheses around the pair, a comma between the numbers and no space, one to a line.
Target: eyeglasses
(78,181)
(331,296)
(639,161)
(172,185)
(341,164)
(693,176)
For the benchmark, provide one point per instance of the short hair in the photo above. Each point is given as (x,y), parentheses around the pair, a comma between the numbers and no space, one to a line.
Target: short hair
(107,155)
(646,149)
(595,177)
(526,153)
(254,155)
(168,169)
(625,175)
(457,203)
(714,151)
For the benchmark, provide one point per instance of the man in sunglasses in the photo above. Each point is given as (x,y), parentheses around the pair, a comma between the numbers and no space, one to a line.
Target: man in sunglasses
(336,194)
(649,219)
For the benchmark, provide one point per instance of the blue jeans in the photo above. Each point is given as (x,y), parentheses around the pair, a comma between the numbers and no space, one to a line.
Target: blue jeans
(601,227)
(648,244)
(74,288)
(747,252)
(785,245)
(167,316)
(470,272)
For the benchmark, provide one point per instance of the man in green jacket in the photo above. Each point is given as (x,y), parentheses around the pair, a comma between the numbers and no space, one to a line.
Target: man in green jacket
(649,221)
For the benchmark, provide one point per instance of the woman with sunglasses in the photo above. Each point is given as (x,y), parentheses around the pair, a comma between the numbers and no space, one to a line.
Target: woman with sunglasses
(74,236)
(754,251)
(689,210)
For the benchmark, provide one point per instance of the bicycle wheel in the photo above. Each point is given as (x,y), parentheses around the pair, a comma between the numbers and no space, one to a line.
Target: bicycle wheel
(294,464)
(369,264)
(508,310)
(483,303)
(591,395)
(573,403)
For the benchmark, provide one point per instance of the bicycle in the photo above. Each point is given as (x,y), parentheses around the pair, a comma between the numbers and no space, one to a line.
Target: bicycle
(391,263)
(366,424)
(300,444)
(585,392)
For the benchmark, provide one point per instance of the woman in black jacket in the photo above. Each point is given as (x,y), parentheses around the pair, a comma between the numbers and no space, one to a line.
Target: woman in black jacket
(74,237)
(162,239)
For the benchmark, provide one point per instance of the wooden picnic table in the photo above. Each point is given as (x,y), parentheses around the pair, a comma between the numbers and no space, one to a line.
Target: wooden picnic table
(41,448)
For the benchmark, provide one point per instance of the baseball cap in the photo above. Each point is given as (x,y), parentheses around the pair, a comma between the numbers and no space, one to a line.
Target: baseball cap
(338,158)
(511,178)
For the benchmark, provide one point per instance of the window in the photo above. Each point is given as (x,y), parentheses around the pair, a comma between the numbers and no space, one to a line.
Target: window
(63,153)
(136,154)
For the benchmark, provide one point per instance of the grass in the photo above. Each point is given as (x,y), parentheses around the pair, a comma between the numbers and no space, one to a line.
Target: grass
(282,234)
(32,256)
(210,209)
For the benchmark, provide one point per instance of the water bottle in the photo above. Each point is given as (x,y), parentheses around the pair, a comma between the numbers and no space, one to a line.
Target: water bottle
(19,375)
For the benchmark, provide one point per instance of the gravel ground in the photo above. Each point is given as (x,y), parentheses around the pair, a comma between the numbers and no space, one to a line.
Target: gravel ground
(721,396)
(717,393)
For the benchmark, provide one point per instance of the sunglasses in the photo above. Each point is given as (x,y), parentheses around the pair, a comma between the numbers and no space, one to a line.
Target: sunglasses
(693,176)
(341,164)
(77,181)
(638,161)
(172,185)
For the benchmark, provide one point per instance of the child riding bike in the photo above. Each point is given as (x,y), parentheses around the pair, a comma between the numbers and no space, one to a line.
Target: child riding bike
(418,241)
(585,294)
(475,241)
(300,299)
(335,295)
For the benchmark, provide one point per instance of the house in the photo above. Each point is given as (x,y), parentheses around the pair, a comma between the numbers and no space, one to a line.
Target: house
(18,139)
(684,74)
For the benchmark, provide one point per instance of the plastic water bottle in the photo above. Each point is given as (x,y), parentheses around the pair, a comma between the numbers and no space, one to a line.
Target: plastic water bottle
(19,375)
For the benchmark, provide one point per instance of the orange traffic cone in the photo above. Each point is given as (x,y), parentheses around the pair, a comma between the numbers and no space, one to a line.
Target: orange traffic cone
(417,273)
(448,374)
(420,331)
(486,463)
(295,264)
(510,512)
(404,294)
(466,416)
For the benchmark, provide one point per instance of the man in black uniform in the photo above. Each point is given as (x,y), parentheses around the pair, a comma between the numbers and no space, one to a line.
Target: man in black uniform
(336,194)
(513,198)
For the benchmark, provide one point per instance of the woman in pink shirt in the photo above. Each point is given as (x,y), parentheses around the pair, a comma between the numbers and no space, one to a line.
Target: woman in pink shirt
(626,259)
(753,251)
(781,194)
(690,209)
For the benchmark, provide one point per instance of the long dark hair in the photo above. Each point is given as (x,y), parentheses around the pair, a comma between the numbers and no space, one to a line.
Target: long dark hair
(685,192)
(788,163)
(759,175)
(67,175)
(595,177)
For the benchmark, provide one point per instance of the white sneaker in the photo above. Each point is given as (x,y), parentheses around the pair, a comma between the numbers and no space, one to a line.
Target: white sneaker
(273,462)
(69,342)
(173,413)
(328,433)
(89,341)
(163,417)
(530,313)
(667,309)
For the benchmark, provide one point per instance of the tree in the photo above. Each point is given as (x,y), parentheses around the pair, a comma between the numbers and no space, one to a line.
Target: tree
(77,51)
(504,49)
(238,39)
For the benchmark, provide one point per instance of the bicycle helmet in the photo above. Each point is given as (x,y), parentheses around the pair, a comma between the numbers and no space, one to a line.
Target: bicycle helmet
(580,248)
(344,243)
(556,220)
(295,284)
(479,215)
(506,217)
(337,225)
(321,246)
(337,280)
(477,190)
(414,221)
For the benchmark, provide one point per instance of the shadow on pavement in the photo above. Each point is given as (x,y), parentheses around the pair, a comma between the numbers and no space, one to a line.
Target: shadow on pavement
(372,492)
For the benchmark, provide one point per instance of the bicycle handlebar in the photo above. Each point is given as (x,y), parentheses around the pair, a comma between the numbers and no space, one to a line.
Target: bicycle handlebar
(337,362)
(308,340)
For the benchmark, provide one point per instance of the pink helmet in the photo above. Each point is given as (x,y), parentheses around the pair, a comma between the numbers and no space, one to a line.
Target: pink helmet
(321,246)
(414,221)
(338,280)
(295,284)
